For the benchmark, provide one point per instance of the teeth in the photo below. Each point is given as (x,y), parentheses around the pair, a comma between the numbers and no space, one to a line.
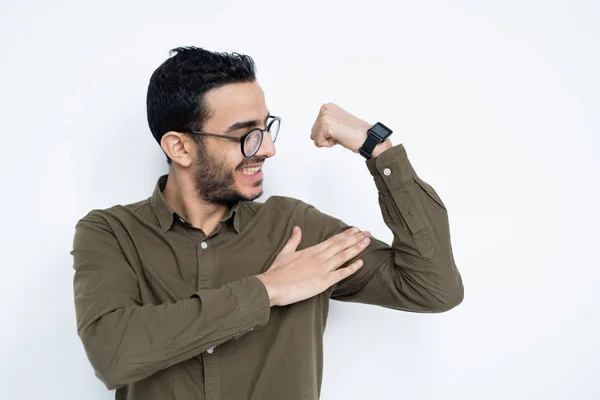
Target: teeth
(249,171)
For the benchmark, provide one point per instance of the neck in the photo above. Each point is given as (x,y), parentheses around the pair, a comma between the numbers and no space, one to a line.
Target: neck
(180,193)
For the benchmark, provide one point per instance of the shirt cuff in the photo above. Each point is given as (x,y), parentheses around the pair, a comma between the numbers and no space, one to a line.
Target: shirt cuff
(253,303)
(391,169)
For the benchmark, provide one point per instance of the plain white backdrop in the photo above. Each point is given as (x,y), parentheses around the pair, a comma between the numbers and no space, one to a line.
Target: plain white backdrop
(496,103)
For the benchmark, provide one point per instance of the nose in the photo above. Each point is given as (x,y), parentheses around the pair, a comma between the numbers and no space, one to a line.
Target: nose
(267,147)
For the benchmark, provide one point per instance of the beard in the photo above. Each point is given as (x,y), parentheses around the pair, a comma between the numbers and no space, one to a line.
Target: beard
(215,180)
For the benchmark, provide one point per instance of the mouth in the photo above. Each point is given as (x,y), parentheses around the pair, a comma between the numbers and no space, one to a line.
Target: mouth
(251,170)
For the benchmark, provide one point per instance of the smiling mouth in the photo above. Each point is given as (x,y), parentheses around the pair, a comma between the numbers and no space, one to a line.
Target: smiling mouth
(251,170)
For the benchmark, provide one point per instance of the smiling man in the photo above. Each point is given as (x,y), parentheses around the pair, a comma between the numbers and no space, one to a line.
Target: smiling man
(201,292)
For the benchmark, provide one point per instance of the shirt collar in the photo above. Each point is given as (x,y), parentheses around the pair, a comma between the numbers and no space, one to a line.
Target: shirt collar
(166,215)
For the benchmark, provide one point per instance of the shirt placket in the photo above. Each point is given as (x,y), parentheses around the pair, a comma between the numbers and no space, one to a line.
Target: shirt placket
(206,279)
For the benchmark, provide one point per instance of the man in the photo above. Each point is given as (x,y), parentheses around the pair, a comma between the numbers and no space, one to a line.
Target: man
(200,292)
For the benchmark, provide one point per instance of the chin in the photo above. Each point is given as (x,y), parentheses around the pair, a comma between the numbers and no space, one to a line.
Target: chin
(254,194)
(250,193)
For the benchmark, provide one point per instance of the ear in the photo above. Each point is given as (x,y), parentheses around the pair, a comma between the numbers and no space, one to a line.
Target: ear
(178,147)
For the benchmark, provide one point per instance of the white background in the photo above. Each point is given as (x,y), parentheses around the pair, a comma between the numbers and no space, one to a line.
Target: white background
(496,103)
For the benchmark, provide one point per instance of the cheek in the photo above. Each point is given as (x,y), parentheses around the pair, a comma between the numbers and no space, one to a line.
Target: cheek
(226,157)
(233,162)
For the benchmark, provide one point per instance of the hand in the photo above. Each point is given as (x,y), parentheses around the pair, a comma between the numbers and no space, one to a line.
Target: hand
(297,275)
(337,126)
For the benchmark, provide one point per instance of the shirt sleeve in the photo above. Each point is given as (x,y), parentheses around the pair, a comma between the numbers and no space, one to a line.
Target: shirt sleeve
(417,272)
(126,340)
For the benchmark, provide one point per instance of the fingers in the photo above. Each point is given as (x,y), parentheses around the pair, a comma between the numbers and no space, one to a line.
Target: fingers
(344,241)
(324,245)
(322,142)
(343,273)
(319,136)
(349,253)
(293,242)
(316,128)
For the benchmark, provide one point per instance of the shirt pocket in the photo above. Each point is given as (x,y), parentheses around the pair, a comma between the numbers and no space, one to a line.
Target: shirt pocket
(406,203)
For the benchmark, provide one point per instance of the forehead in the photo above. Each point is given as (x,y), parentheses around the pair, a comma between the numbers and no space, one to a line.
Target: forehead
(233,103)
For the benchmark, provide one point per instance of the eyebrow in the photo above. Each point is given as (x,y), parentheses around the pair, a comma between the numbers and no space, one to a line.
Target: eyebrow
(246,124)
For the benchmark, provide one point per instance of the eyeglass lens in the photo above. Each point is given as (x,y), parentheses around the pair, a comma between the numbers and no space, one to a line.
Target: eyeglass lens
(254,139)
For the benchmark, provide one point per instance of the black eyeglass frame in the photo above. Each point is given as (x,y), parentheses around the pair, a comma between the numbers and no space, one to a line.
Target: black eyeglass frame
(242,138)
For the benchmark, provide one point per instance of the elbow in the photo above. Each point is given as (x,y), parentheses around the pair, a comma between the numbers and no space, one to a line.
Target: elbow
(452,296)
(110,380)
(111,375)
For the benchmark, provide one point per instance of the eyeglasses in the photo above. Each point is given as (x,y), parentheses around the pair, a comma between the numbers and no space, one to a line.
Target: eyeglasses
(252,140)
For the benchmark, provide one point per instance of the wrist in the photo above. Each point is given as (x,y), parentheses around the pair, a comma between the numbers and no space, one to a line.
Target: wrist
(375,140)
(361,135)
(269,288)
(381,147)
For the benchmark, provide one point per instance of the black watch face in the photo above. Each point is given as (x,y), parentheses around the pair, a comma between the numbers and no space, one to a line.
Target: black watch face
(381,131)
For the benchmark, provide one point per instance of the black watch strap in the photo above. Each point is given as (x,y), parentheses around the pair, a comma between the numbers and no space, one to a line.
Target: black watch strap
(368,146)
(378,133)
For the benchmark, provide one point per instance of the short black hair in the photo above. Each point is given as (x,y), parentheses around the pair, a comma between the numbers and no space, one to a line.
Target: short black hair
(175,98)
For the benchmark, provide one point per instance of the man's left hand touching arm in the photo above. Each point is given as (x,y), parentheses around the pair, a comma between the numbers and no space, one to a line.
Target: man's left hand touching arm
(417,272)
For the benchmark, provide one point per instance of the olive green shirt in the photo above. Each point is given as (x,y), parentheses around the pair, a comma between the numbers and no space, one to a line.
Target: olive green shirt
(165,311)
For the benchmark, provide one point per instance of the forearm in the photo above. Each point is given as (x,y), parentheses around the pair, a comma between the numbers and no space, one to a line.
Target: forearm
(133,342)
(125,338)
(417,273)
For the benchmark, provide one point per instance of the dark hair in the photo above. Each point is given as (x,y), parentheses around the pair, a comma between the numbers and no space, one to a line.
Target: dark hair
(175,98)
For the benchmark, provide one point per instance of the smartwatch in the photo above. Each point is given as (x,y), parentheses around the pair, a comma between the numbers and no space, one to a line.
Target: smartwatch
(375,135)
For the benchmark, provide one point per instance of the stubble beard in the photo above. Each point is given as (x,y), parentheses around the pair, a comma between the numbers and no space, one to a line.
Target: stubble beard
(215,181)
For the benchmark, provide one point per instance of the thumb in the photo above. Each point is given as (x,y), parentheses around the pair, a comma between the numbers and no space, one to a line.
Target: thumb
(293,241)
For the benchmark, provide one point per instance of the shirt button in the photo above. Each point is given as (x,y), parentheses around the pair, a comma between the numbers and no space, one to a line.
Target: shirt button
(203,245)
(211,350)
(387,172)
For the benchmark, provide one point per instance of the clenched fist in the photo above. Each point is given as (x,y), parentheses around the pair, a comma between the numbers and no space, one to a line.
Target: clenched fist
(334,126)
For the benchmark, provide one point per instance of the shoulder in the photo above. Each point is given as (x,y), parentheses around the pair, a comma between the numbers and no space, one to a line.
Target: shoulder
(282,205)
(119,214)
(274,213)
